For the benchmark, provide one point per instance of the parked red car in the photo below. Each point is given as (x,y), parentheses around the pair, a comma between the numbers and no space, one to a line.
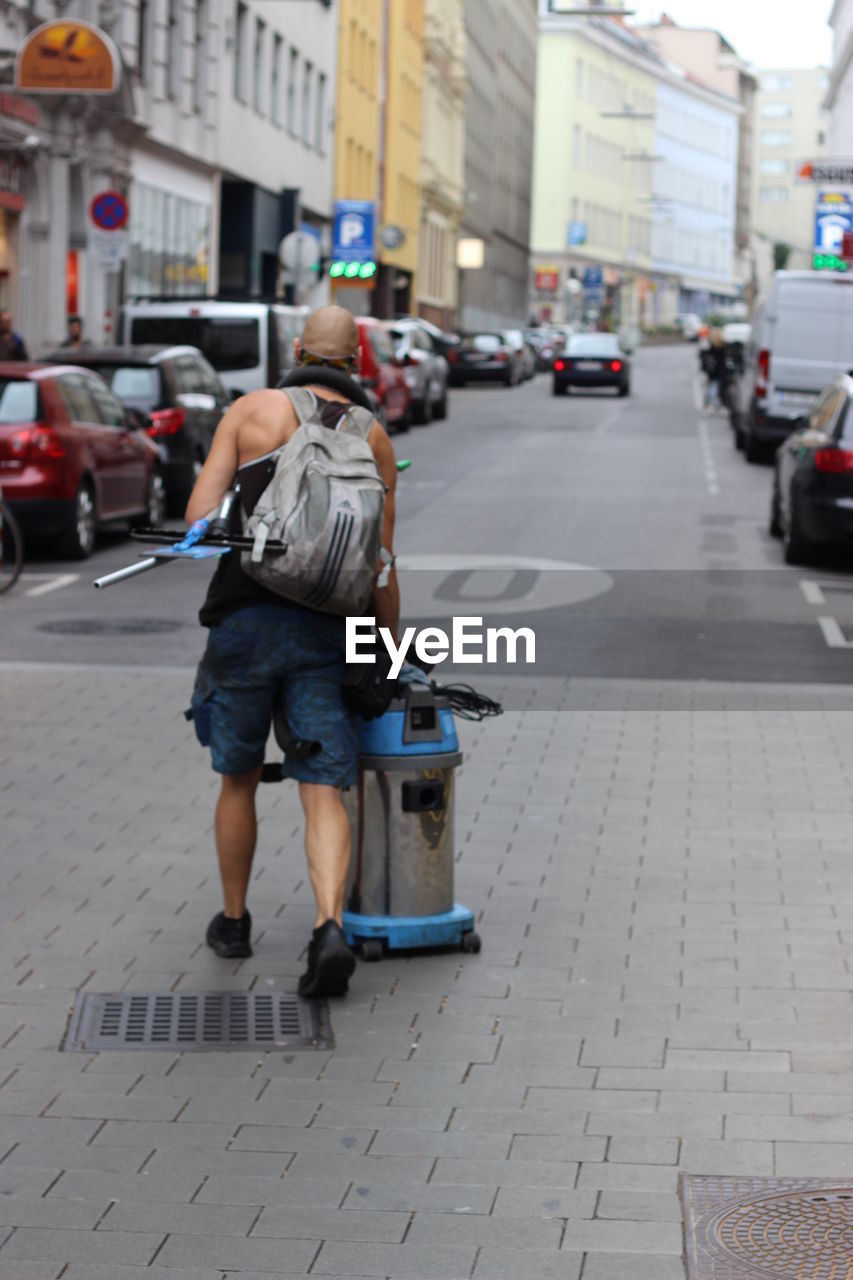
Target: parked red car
(73,457)
(382,373)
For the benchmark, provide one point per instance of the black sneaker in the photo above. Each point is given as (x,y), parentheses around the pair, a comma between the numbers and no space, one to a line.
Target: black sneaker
(330,963)
(230,938)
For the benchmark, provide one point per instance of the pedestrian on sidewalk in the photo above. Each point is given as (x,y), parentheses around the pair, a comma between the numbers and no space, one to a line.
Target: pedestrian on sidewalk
(75,340)
(260,642)
(12,346)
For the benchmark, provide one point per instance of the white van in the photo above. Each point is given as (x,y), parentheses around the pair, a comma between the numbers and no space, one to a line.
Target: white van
(802,338)
(249,344)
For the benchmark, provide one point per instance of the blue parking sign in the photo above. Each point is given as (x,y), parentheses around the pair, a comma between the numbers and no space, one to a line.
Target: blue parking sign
(354,231)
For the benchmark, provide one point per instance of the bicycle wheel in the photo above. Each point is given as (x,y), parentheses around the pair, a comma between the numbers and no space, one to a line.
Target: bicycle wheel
(11,549)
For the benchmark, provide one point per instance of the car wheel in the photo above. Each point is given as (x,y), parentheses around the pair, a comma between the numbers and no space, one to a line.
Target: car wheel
(775,524)
(753,449)
(422,412)
(439,409)
(78,542)
(797,548)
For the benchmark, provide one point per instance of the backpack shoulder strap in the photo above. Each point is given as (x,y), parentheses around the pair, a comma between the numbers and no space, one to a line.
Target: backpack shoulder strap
(304,403)
(358,420)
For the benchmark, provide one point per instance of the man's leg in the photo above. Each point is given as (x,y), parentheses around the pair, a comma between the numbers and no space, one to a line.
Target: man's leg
(236,830)
(327,846)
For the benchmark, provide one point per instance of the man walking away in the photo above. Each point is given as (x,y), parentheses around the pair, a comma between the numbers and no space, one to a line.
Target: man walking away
(11,343)
(258,643)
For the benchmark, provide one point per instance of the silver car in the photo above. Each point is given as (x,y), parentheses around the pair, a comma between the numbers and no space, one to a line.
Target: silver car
(426,371)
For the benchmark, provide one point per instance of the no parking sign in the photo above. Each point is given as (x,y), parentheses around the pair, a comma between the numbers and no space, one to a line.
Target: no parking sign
(109,212)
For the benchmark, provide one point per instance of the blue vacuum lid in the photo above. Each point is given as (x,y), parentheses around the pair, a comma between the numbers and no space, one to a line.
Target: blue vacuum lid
(417,724)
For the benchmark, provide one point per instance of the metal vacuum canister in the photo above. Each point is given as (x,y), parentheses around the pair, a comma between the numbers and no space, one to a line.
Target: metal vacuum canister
(402,811)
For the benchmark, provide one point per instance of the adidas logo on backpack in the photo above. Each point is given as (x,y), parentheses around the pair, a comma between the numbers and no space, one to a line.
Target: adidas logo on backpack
(325,502)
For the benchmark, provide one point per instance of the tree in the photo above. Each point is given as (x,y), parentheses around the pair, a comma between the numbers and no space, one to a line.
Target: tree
(781,254)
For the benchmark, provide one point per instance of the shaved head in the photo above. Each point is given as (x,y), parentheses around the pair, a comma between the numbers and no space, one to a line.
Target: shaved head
(332,332)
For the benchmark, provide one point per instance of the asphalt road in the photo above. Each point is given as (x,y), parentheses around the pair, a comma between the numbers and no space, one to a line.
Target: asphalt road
(505,501)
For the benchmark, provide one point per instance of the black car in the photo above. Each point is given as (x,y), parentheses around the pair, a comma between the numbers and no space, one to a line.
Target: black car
(177,396)
(484,357)
(812,503)
(592,360)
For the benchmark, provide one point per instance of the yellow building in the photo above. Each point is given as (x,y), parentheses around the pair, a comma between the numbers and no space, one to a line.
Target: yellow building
(358,117)
(378,142)
(401,171)
(442,159)
(591,190)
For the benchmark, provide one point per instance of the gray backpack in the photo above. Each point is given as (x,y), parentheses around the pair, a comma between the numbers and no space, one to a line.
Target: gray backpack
(325,501)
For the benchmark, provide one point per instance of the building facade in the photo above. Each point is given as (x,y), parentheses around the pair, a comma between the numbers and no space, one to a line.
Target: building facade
(839,95)
(501,40)
(442,160)
(706,54)
(634,180)
(791,128)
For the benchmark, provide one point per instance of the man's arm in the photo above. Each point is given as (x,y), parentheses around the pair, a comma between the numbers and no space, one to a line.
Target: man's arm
(386,600)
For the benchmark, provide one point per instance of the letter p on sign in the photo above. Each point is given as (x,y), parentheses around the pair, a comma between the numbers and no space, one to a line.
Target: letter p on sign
(352,229)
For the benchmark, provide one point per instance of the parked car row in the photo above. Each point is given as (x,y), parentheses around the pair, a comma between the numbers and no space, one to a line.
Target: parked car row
(498,355)
(791,404)
(96,435)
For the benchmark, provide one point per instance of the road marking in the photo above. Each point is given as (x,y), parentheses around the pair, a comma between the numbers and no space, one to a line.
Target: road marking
(698,396)
(812,592)
(604,426)
(711,477)
(833,635)
(55,581)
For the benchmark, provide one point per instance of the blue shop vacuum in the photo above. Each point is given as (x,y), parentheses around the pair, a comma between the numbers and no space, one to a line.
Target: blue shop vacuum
(399,893)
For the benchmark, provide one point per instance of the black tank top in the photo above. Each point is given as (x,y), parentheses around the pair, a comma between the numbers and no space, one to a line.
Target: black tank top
(230,588)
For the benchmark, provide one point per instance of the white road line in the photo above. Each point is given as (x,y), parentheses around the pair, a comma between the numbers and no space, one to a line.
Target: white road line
(812,592)
(698,397)
(606,423)
(54,583)
(833,635)
(711,477)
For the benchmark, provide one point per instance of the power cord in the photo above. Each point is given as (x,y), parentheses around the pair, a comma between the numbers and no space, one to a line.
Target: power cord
(466,703)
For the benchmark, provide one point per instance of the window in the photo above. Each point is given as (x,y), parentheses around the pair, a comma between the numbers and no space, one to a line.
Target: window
(292,73)
(143,19)
(320,140)
(307,90)
(228,344)
(173,64)
(579,77)
(776,110)
(257,67)
(110,409)
(18,402)
(576,146)
(200,56)
(275,80)
(137,385)
(774,83)
(241,32)
(769,139)
(821,138)
(827,408)
(774,167)
(75,394)
(773,195)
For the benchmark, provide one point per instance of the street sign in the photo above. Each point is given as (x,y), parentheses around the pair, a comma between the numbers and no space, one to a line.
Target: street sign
(593,278)
(109,248)
(824,171)
(547,279)
(109,210)
(67,55)
(299,252)
(392,237)
(833,219)
(577,233)
(354,231)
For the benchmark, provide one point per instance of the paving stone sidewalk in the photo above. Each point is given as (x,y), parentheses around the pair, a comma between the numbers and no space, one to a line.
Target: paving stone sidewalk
(662,879)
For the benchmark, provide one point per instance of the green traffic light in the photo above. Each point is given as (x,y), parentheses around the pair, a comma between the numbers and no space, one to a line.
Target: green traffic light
(367,270)
(337,269)
(351,270)
(829,262)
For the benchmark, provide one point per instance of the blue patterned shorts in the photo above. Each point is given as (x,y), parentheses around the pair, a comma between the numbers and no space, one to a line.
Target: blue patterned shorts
(250,656)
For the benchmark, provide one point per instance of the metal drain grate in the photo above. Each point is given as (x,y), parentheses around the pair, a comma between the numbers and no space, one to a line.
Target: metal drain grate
(768,1228)
(199,1022)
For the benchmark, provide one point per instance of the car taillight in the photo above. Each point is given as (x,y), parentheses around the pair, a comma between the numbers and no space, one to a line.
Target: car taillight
(503,356)
(616,365)
(559,365)
(838,462)
(37,443)
(166,422)
(451,356)
(763,373)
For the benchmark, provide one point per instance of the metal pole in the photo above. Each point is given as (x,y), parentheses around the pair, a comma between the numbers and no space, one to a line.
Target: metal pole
(130,571)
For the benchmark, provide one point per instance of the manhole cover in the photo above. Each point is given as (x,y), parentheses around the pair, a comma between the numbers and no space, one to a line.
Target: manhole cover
(768,1228)
(110,626)
(199,1022)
